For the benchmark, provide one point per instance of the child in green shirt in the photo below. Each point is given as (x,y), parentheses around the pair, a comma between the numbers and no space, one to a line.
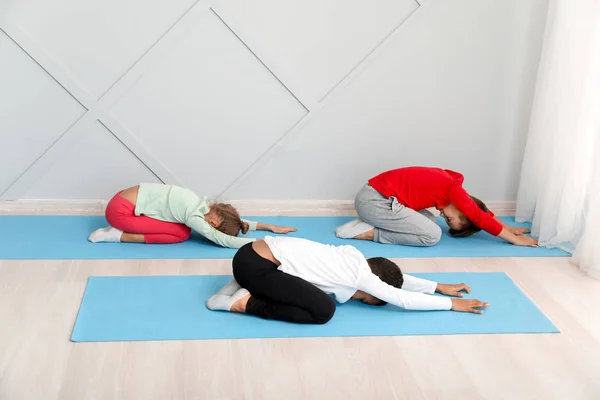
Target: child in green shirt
(157,213)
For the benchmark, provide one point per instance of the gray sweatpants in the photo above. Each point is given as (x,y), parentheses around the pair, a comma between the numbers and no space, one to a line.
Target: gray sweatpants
(395,223)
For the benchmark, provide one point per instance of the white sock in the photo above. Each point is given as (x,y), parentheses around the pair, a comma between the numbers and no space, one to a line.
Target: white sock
(222,302)
(352,229)
(230,288)
(108,234)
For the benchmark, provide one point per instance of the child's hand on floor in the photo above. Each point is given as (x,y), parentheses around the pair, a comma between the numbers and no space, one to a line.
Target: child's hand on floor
(452,290)
(282,229)
(466,305)
(519,231)
(525,241)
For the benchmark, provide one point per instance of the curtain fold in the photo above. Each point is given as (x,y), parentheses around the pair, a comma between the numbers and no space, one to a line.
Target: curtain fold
(559,191)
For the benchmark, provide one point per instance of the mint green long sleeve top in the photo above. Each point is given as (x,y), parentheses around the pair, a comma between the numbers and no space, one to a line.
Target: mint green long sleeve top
(176,204)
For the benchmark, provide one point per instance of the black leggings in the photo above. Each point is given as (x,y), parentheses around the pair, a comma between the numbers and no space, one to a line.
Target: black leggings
(277,295)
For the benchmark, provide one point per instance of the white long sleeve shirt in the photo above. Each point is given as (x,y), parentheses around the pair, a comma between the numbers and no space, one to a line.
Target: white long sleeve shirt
(342,270)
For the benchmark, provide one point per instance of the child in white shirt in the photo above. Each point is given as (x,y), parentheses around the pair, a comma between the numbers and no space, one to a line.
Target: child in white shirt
(290,279)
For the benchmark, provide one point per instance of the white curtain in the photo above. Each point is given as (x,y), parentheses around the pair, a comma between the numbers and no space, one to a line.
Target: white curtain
(559,190)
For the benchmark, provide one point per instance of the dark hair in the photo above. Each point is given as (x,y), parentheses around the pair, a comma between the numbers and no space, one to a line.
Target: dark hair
(469,228)
(231,223)
(387,271)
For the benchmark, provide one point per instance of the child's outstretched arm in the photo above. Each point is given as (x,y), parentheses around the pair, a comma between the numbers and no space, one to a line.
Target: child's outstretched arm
(493,225)
(205,229)
(423,300)
(517,239)
(414,284)
(454,290)
(469,305)
(516,235)
(420,285)
(514,229)
(273,228)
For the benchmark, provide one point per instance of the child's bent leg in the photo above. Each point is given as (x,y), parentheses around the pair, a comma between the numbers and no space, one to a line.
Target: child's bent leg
(355,229)
(111,234)
(426,213)
(395,223)
(120,214)
(132,238)
(368,235)
(244,302)
(234,302)
(108,234)
(319,310)
(409,228)
(144,229)
(422,239)
(163,238)
(277,295)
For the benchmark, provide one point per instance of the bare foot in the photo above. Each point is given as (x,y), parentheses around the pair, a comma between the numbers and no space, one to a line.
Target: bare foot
(240,305)
(368,235)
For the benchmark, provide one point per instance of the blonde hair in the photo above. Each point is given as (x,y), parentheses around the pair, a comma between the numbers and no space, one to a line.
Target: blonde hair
(231,223)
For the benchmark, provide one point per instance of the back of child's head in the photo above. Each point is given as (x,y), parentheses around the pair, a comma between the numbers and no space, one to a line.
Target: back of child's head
(469,227)
(231,223)
(387,271)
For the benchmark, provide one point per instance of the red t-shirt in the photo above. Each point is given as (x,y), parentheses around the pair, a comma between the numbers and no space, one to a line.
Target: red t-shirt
(424,187)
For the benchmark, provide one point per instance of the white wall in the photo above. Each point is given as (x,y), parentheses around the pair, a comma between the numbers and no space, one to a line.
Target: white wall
(262,99)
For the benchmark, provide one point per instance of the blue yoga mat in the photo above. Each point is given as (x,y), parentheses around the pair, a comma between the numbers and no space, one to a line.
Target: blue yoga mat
(53,237)
(173,308)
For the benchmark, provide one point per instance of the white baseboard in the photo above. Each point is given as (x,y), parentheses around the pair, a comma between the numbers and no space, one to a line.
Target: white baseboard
(294,207)
(245,207)
(502,207)
(53,207)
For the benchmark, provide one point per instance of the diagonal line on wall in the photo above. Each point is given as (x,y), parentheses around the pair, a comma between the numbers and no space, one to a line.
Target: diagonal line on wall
(259,60)
(315,111)
(145,156)
(45,61)
(367,57)
(153,55)
(96,109)
(42,163)
(64,80)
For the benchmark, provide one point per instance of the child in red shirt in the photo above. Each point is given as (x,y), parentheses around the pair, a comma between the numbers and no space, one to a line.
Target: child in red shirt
(392,208)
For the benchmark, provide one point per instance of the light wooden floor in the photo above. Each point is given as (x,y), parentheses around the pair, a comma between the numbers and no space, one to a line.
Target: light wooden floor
(39,301)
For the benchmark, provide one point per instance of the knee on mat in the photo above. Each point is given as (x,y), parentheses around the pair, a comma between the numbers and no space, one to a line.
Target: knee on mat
(183,235)
(116,222)
(432,238)
(325,312)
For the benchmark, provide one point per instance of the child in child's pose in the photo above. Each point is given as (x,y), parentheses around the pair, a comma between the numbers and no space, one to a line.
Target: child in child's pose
(290,279)
(156,213)
(392,208)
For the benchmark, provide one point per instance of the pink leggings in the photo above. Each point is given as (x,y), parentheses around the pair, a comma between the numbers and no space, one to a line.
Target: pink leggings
(120,213)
